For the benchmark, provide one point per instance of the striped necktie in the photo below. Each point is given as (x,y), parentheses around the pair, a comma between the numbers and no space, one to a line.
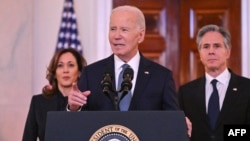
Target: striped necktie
(125,101)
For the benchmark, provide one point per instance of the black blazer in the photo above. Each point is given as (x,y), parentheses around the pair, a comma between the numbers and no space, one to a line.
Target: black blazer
(235,109)
(154,88)
(36,119)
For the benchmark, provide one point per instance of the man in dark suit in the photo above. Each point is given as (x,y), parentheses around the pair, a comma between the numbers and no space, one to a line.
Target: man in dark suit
(211,106)
(153,87)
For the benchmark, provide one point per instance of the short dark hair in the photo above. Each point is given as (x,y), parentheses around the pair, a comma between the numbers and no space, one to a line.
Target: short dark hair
(225,33)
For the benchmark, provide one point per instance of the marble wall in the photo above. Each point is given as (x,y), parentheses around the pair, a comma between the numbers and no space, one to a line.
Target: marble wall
(15,66)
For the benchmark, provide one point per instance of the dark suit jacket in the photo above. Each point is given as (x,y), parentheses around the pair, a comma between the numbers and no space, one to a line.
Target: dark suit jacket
(235,109)
(154,88)
(36,119)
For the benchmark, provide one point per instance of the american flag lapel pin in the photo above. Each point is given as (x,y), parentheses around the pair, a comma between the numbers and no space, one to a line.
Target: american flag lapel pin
(235,89)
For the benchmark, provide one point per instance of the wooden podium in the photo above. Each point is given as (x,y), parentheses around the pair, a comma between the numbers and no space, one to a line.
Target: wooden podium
(116,126)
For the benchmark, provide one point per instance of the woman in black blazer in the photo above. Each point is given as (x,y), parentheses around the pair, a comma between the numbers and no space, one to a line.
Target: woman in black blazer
(64,69)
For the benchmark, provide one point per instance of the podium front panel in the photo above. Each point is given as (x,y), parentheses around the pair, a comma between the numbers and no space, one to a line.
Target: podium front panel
(116,126)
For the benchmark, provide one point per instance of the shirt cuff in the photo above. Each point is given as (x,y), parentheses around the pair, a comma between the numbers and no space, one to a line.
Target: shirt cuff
(67,109)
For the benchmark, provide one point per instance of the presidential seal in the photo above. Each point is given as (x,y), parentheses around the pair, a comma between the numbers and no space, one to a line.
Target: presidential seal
(114,133)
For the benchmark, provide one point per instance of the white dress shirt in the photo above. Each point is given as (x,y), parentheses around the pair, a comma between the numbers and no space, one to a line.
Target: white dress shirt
(222,84)
(133,63)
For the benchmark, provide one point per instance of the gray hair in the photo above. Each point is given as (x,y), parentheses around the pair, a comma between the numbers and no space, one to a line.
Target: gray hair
(140,16)
(225,33)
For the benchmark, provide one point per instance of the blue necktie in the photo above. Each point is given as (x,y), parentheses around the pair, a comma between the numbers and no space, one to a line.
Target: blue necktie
(213,105)
(125,101)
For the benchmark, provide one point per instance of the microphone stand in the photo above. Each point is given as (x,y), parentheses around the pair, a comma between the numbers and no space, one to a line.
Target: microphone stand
(116,101)
(113,95)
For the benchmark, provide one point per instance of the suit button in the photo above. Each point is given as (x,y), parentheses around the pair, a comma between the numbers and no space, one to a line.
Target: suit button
(212,137)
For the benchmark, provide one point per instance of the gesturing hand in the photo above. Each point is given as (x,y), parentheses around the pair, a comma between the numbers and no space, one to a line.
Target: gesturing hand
(76,98)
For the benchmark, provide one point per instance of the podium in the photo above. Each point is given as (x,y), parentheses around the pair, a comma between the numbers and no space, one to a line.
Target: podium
(116,126)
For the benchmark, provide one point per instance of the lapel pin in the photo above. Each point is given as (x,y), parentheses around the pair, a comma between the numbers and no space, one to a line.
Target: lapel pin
(235,89)
(146,72)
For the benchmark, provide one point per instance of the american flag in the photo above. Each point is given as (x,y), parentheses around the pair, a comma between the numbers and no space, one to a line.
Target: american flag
(68,34)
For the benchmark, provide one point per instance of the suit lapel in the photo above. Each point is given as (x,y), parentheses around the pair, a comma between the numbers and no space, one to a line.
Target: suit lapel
(144,73)
(110,66)
(201,97)
(231,97)
(55,103)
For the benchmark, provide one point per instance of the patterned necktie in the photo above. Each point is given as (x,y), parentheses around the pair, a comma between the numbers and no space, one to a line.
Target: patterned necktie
(213,105)
(125,101)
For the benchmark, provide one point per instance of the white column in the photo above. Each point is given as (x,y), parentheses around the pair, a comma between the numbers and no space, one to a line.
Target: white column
(245,12)
(15,66)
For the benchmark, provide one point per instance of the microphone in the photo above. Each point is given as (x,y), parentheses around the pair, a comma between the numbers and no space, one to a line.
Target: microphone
(106,83)
(107,87)
(126,85)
